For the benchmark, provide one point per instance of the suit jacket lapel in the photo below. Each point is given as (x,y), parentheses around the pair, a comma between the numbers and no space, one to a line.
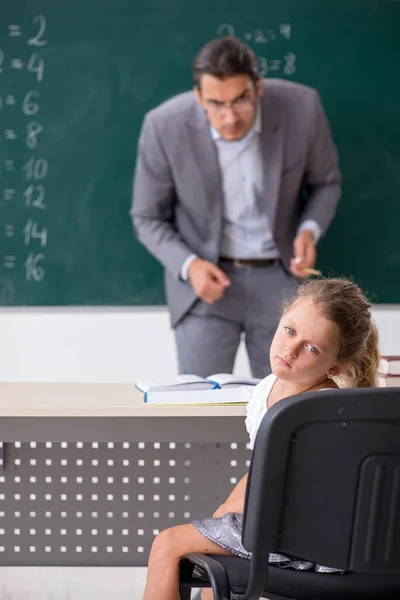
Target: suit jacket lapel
(272,144)
(206,158)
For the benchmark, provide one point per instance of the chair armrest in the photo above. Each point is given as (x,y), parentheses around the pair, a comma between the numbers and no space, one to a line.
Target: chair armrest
(215,572)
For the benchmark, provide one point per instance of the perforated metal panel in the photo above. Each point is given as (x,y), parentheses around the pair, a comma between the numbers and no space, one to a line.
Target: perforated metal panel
(102,503)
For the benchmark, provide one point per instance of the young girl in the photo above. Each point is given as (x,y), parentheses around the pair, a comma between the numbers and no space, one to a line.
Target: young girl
(326,334)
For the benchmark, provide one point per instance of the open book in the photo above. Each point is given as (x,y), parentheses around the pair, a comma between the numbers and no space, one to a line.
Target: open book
(194,382)
(229,380)
(212,397)
(191,384)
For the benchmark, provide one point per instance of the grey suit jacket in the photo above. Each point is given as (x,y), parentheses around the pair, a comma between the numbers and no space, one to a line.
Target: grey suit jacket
(177,192)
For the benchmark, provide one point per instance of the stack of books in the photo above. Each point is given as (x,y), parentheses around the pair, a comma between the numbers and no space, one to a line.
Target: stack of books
(389,371)
(192,390)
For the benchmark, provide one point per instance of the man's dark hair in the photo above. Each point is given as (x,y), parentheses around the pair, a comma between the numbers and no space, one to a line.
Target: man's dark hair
(225,57)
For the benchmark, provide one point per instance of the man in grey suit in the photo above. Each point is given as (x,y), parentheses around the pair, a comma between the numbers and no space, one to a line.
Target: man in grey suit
(235,183)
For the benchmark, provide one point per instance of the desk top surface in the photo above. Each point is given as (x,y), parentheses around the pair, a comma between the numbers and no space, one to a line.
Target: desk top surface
(93,400)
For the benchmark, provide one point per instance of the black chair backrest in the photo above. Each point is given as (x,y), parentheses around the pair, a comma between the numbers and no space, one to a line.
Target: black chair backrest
(324,480)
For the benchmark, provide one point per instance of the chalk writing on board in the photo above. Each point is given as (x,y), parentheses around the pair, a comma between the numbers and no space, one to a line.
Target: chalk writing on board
(34,196)
(9,230)
(32,231)
(16,63)
(9,261)
(34,168)
(34,270)
(226,29)
(37,39)
(14,30)
(10,134)
(8,194)
(285,29)
(29,106)
(287,65)
(259,37)
(33,130)
(9,165)
(36,65)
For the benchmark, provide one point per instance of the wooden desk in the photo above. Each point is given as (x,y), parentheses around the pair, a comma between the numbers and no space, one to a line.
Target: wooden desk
(90,474)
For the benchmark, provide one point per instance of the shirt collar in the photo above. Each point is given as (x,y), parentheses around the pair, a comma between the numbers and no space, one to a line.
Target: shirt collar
(256,128)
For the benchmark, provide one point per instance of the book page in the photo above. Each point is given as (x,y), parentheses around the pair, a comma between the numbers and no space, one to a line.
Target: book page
(224,379)
(176,382)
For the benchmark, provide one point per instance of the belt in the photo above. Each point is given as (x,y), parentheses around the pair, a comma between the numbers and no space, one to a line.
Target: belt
(242,263)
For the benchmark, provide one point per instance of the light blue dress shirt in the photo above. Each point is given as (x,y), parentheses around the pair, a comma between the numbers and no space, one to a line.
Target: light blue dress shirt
(246,229)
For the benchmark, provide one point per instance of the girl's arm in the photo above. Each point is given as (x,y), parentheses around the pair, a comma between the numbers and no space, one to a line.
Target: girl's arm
(235,500)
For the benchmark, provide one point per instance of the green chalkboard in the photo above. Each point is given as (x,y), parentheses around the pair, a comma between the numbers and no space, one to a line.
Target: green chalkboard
(76,80)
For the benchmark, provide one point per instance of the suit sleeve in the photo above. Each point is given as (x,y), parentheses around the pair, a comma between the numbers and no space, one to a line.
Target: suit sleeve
(153,202)
(322,177)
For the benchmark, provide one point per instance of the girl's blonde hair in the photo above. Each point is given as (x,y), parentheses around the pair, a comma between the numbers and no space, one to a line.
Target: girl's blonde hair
(343,303)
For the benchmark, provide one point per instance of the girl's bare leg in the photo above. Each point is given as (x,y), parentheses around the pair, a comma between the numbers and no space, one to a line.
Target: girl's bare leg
(167,549)
(207,594)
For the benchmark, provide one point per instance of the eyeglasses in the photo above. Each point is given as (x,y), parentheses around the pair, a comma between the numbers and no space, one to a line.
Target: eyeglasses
(239,106)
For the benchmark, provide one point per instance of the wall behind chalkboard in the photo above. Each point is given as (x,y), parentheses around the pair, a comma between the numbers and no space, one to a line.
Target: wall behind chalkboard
(76,79)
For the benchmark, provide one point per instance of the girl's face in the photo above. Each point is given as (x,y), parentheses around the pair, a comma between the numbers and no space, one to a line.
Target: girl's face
(305,346)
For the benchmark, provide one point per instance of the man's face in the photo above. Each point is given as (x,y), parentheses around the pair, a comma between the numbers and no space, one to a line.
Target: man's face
(230,104)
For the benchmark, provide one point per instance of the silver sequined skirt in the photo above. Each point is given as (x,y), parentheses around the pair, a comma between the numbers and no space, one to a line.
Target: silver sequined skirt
(226,532)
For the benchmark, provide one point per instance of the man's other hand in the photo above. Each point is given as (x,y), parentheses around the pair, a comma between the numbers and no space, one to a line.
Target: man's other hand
(208,281)
(305,254)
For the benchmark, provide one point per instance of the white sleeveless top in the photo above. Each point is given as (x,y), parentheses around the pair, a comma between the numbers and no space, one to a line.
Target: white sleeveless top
(257,406)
